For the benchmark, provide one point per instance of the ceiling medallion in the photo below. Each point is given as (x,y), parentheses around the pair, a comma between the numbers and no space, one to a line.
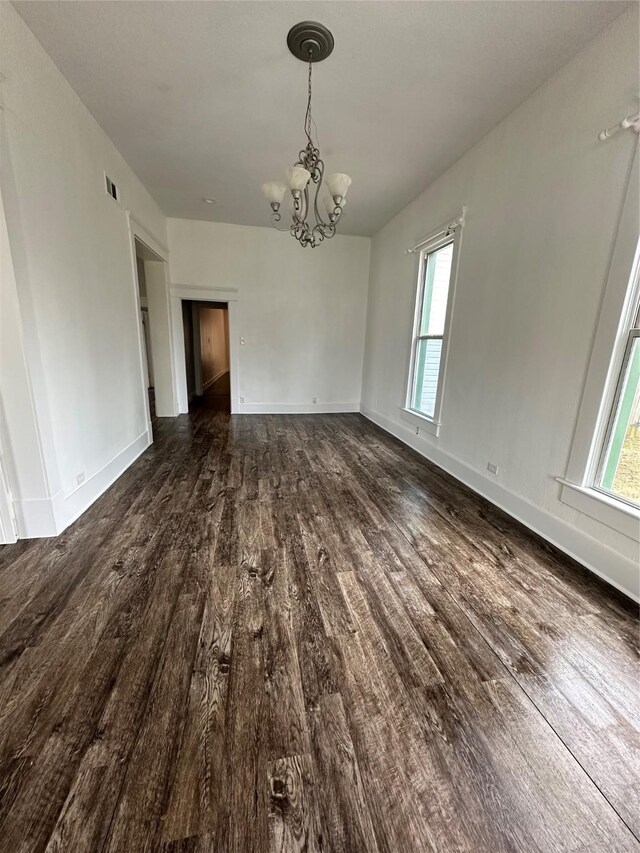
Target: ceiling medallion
(309,42)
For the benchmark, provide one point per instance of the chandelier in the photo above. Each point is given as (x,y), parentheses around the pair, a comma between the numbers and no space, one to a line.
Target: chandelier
(315,205)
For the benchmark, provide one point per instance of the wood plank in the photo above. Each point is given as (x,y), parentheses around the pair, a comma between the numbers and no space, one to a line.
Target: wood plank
(293,633)
(345,810)
(294,821)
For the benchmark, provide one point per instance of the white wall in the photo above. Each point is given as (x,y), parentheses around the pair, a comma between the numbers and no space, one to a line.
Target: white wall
(26,479)
(543,197)
(301,311)
(214,348)
(74,272)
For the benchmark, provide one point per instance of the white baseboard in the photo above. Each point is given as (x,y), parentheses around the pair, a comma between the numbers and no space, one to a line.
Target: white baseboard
(296,408)
(49,517)
(608,564)
(215,378)
(35,519)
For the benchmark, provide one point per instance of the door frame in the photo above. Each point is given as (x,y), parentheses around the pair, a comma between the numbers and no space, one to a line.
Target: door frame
(180,292)
(8,527)
(139,233)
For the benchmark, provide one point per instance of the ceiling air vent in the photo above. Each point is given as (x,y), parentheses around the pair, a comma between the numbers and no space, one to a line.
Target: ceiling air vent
(112,189)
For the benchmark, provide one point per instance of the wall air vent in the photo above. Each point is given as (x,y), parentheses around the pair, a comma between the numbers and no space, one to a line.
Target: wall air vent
(112,189)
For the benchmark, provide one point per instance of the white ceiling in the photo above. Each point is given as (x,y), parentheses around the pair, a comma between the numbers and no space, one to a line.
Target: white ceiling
(204,99)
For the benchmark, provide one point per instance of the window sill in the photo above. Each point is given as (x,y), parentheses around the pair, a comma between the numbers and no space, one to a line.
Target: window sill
(421,422)
(604,508)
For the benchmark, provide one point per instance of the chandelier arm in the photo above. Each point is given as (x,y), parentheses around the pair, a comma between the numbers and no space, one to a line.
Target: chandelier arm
(275,219)
(298,210)
(320,177)
(318,233)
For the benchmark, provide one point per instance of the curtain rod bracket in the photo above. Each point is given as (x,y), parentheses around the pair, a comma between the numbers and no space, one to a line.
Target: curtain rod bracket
(450,228)
(630,122)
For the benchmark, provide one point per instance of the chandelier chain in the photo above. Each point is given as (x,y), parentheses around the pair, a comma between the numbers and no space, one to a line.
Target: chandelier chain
(307,118)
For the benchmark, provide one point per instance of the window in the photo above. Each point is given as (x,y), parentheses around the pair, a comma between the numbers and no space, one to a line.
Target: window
(603,473)
(619,465)
(431,325)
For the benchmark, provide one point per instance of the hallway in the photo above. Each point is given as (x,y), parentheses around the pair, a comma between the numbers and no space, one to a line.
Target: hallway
(280,633)
(216,397)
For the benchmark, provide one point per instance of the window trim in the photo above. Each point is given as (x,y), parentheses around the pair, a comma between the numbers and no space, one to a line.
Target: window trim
(618,311)
(600,460)
(449,234)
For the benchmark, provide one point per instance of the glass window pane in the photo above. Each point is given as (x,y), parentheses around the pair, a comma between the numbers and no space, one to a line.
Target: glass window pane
(425,374)
(620,473)
(436,288)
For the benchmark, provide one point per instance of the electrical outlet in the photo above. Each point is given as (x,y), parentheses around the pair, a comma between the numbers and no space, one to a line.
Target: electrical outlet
(242,399)
(80,478)
(242,341)
(417,430)
(314,399)
(491,468)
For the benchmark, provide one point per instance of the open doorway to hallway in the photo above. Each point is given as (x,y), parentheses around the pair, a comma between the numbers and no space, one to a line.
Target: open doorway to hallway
(206,349)
(146,332)
(155,330)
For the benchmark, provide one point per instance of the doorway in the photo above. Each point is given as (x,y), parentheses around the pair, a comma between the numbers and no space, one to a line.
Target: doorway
(207,359)
(155,330)
(144,321)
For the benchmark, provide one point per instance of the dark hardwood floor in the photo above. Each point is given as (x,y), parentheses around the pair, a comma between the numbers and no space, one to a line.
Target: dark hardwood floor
(280,633)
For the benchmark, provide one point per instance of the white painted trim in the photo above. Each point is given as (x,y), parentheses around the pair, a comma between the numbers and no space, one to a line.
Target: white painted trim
(612,567)
(440,234)
(443,237)
(609,342)
(162,339)
(166,398)
(147,237)
(40,518)
(180,364)
(8,529)
(205,294)
(196,349)
(36,413)
(137,231)
(296,408)
(419,421)
(35,518)
(606,509)
(71,506)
